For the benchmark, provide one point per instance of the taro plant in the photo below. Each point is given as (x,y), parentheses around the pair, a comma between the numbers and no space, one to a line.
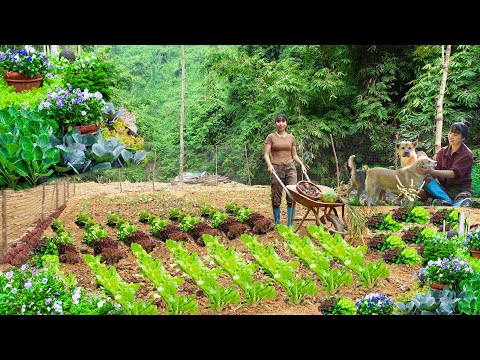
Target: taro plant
(25,152)
(166,285)
(281,271)
(242,273)
(469,304)
(205,278)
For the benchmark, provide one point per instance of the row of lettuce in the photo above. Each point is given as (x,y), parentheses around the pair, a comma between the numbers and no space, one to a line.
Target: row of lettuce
(317,255)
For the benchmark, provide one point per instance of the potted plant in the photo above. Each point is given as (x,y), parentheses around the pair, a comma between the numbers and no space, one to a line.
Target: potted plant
(473,242)
(448,271)
(24,69)
(74,108)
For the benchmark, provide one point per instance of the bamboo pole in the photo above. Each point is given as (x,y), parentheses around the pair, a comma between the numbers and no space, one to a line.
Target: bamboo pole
(301,154)
(153,170)
(336,161)
(43,201)
(120,179)
(216,165)
(4,222)
(56,193)
(64,191)
(248,168)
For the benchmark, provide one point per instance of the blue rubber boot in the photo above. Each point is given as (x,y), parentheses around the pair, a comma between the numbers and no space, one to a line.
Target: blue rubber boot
(290,216)
(276,215)
(467,202)
(434,189)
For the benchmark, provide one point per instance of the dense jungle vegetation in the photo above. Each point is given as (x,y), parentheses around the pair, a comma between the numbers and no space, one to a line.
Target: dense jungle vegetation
(361,96)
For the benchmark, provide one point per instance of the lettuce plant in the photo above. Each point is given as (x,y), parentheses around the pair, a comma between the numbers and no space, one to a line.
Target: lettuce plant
(242,273)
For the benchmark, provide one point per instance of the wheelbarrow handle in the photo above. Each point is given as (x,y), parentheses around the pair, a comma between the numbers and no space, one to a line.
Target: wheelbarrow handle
(306,176)
(283,185)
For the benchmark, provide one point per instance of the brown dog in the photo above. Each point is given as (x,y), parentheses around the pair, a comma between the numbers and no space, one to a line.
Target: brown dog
(407,153)
(357,177)
(379,179)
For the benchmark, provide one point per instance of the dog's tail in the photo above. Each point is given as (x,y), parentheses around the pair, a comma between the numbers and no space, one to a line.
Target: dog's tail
(351,165)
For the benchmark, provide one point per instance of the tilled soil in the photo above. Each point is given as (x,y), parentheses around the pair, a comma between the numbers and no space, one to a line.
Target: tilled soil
(99,201)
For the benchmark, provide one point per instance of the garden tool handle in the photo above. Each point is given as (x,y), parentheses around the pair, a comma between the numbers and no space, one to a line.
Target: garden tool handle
(306,176)
(283,185)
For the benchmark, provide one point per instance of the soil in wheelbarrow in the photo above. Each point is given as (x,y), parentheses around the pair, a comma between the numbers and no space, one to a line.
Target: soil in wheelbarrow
(190,198)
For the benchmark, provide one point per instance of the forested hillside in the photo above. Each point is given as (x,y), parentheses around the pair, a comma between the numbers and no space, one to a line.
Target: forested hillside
(361,95)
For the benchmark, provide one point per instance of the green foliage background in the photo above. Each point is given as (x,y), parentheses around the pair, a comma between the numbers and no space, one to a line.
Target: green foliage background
(362,95)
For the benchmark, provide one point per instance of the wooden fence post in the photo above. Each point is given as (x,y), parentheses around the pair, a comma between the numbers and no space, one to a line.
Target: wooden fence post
(120,179)
(153,170)
(56,193)
(4,222)
(248,168)
(43,201)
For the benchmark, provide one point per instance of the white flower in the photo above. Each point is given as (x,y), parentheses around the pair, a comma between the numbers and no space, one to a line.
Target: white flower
(100,304)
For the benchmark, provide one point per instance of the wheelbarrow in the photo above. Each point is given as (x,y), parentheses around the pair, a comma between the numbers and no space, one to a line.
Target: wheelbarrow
(326,214)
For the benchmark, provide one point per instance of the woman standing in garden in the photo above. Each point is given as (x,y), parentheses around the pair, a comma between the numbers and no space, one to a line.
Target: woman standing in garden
(281,147)
(453,170)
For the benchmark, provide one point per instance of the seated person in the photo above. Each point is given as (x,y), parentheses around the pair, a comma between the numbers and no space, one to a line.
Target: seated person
(453,170)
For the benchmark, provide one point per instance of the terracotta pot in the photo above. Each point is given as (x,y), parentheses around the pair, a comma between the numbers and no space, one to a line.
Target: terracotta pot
(440,286)
(22,82)
(474,253)
(84,129)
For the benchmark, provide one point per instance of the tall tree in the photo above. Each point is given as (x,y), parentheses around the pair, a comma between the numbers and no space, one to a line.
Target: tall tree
(182,112)
(443,84)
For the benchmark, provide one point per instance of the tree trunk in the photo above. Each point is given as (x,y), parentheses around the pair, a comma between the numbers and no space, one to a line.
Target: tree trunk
(54,49)
(439,106)
(182,110)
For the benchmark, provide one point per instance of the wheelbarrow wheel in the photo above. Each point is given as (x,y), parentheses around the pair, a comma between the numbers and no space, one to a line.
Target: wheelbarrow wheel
(333,222)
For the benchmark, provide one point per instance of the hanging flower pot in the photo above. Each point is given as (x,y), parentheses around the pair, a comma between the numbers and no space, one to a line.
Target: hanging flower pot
(84,129)
(22,82)
(474,253)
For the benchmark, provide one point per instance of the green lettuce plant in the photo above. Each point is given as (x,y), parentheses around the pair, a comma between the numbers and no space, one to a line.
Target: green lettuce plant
(281,271)
(205,278)
(122,292)
(242,273)
(344,306)
(418,215)
(166,285)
